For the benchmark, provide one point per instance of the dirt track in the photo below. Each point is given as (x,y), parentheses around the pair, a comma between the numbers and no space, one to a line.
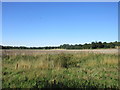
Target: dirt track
(31,52)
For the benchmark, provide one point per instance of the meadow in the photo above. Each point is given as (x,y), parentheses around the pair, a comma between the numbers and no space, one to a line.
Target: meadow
(59,69)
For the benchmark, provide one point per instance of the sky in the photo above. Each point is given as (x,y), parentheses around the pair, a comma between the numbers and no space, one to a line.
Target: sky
(57,23)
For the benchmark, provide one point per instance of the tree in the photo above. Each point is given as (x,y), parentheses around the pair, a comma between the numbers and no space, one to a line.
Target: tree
(94,46)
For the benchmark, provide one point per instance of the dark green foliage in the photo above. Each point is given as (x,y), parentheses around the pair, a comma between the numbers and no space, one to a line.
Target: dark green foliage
(93,45)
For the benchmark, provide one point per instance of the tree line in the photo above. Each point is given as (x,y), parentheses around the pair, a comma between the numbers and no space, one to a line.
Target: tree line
(92,45)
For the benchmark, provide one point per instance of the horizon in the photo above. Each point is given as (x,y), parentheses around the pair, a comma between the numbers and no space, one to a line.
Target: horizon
(56,46)
(57,23)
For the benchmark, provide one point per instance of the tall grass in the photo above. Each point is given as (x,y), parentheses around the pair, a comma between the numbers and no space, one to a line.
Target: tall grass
(79,70)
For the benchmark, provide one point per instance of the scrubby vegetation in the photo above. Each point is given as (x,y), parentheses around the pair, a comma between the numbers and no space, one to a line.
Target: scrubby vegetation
(75,70)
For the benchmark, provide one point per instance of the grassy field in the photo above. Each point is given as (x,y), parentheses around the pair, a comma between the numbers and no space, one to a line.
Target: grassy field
(60,70)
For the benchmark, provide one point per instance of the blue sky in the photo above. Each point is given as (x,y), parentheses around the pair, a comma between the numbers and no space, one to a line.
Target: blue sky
(53,24)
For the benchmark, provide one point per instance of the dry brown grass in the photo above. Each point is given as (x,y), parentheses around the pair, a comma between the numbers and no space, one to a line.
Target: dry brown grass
(91,63)
(23,65)
(109,61)
(37,52)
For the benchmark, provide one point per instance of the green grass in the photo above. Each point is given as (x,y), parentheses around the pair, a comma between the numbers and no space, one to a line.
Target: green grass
(76,70)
